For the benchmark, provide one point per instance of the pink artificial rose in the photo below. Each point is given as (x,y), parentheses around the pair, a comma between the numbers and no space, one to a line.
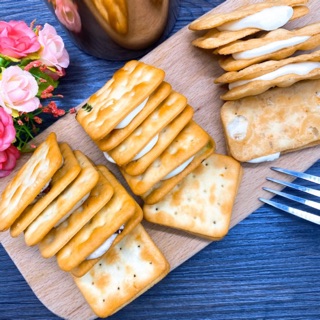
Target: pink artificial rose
(67,13)
(17,40)
(18,90)
(8,160)
(53,53)
(7,130)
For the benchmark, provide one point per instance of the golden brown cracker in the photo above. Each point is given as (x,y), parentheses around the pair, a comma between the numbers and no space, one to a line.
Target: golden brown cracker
(116,136)
(189,141)
(101,227)
(62,233)
(169,109)
(29,181)
(166,136)
(130,268)
(162,188)
(65,203)
(214,38)
(202,204)
(60,180)
(128,87)
(278,120)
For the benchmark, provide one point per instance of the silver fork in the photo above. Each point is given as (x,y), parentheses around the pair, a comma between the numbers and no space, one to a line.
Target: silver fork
(297,212)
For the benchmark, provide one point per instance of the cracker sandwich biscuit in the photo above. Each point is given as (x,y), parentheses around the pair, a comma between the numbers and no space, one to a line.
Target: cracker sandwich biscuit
(60,180)
(277,121)
(31,179)
(129,269)
(260,77)
(128,89)
(202,203)
(274,45)
(224,28)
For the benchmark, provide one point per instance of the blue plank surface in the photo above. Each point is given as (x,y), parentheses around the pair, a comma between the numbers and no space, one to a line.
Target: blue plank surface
(267,267)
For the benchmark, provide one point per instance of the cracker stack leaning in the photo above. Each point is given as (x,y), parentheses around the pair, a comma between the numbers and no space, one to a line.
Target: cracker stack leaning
(162,150)
(79,213)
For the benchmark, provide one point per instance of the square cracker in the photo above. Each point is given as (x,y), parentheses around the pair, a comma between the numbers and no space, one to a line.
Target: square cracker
(128,87)
(202,203)
(254,126)
(116,213)
(189,141)
(29,181)
(60,180)
(163,187)
(116,136)
(86,265)
(129,269)
(65,203)
(166,136)
(168,110)
(61,234)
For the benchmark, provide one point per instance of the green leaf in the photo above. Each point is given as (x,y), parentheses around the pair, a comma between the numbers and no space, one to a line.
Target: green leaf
(38,74)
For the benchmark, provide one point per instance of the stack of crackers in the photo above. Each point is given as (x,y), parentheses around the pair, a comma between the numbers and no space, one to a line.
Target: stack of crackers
(81,214)
(147,128)
(273,97)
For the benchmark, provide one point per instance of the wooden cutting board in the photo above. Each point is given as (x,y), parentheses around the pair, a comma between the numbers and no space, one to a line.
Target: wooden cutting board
(190,71)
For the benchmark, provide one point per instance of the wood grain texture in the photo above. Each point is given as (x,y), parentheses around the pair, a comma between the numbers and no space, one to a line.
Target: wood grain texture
(181,63)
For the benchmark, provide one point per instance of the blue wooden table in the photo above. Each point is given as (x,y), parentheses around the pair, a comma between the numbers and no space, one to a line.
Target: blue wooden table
(266,268)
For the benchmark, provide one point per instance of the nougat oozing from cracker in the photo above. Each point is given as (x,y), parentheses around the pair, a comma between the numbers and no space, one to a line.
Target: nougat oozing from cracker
(260,77)
(274,45)
(180,152)
(33,177)
(224,28)
(132,147)
(166,136)
(126,90)
(117,135)
(203,201)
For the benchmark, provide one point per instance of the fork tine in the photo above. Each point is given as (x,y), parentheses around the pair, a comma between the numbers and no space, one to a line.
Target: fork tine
(309,203)
(297,174)
(296,212)
(296,186)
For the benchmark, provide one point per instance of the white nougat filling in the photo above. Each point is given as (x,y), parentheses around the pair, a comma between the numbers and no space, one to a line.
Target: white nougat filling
(269,48)
(267,19)
(178,169)
(105,246)
(300,68)
(270,157)
(128,119)
(108,157)
(147,148)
